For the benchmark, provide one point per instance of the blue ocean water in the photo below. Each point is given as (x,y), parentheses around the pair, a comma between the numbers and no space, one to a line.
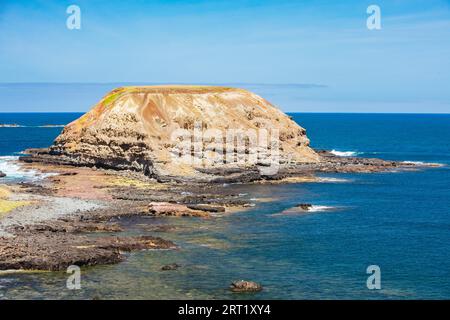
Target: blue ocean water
(398,221)
(35,130)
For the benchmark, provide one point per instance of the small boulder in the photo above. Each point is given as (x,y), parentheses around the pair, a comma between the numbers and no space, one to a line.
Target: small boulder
(169,267)
(245,286)
(2,175)
(158,228)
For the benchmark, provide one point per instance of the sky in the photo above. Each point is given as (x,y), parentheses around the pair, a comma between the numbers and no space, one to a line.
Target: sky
(322,49)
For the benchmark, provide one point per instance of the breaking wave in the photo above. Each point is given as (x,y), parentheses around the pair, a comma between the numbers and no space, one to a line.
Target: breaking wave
(425,164)
(315,208)
(345,153)
(414,162)
(297,210)
(13,171)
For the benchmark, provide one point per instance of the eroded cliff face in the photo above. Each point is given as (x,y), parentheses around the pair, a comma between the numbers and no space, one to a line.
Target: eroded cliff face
(138,128)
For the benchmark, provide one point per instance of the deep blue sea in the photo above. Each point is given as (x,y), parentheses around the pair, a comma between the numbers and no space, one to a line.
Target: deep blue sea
(398,221)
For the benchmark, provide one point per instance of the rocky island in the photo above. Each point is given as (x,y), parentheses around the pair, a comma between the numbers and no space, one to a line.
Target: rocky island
(152,151)
(133,129)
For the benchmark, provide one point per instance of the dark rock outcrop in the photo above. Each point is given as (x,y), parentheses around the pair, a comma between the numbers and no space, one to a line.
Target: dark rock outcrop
(304,206)
(170,267)
(32,252)
(245,286)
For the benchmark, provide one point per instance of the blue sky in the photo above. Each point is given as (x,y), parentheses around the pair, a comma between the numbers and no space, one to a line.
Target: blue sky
(404,67)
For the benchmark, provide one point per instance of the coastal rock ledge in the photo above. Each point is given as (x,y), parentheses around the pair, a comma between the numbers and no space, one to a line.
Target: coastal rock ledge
(132,128)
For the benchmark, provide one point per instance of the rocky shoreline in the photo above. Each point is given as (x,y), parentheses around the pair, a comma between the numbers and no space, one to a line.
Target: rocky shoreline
(95,201)
(328,163)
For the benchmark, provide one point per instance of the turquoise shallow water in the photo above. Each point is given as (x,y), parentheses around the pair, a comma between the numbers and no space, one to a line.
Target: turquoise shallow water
(399,221)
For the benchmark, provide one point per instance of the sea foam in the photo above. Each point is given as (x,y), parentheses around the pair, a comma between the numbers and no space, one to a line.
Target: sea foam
(344,153)
(298,210)
(315,208)
(14,171)
(425,164)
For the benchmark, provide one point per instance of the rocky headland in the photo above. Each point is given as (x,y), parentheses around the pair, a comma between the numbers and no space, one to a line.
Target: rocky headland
(121,160)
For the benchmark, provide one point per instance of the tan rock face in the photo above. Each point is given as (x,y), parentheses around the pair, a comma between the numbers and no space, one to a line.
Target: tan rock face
(138,128)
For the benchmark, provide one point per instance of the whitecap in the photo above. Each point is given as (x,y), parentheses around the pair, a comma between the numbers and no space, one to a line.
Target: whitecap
(14,171)
(414,162)
(344,153)
(299,210)
(421,163)
(315,208)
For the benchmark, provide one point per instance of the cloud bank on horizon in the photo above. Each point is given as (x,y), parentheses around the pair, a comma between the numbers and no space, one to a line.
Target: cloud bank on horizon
(402,67)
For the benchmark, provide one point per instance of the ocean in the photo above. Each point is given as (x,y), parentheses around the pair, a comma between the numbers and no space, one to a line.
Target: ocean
(398,221)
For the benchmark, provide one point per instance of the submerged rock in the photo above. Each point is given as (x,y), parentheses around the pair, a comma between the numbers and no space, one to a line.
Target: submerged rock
(170,267)
(245,286)
(158,228)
